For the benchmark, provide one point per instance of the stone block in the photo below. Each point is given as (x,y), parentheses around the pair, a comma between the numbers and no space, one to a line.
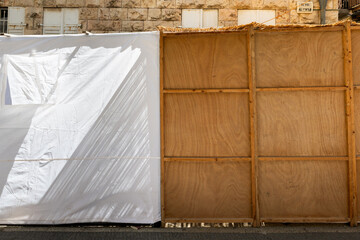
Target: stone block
(227,14)
(33,12)
(131,3)
(190,3)
(88,13)
(217,3)
(282,17)
(92,3)
(118,13)
(104,13)
(152,25)
(154,14)
(137,14)
(47,3)
(294,17)
(331,17)
(132,26)
(171,14)
(148,3)
(61,3)
(276,4)
(240,4)
(112,3)
(227,23)
(310,18)
(166,3)
(75,3)
(257,4)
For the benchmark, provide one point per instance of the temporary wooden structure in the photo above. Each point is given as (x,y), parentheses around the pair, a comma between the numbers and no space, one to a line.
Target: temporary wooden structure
(258,124)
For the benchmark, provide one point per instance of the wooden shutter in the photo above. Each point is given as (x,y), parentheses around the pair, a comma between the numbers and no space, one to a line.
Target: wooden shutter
(71,20)
(16,20)
(52,21)
(191,18)
(210,18)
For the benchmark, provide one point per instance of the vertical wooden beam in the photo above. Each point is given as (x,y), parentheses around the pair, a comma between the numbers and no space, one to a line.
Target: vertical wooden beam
(162,135)
(253,138)
(348,75)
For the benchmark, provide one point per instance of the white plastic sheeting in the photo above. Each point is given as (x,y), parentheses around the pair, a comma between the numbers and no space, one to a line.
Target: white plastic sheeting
(80,129)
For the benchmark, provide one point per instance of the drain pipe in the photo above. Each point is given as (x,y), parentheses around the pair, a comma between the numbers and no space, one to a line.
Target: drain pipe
(323,4)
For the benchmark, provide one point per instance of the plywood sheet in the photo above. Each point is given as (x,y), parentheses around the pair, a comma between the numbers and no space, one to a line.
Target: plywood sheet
(299,59)
(200,189)
(207,124)
(357,120)
(358,183)
(355,41)
(310,123)
(205,61)
(303,189)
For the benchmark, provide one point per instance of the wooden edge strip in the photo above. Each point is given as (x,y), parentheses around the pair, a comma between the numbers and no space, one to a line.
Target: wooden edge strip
(239,90)
(250,40)
(356,87)
(301,89)
(217,159)
(309,158)
(162,135)
(208,220)
(350,123)
(306,220)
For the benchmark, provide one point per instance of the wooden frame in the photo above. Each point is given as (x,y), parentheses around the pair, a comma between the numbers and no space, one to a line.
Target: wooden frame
(254,158)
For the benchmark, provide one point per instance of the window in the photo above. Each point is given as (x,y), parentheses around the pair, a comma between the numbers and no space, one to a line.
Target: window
(16,20)
(199,18)
(61,21)
(260,16)
(3,20)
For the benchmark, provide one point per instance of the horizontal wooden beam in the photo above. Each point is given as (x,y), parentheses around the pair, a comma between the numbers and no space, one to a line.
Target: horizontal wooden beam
(302,29)
(301,89)
(215,32)
(202,159)
(307,158)
(208,220)
(225,90)
(305,220)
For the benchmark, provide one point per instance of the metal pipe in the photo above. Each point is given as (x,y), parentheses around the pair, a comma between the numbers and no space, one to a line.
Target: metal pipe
(323,4)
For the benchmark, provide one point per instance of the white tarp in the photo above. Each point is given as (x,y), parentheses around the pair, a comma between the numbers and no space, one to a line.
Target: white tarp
(80,129)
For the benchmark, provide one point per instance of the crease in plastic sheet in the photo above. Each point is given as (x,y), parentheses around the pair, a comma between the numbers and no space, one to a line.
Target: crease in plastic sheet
(80,129)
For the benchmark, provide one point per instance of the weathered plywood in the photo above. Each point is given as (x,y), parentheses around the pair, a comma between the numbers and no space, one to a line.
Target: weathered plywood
(207,124)
(357,120)
(301,123)
(299,59)
(303,189)
(209,190)
(355,41)
(210,61)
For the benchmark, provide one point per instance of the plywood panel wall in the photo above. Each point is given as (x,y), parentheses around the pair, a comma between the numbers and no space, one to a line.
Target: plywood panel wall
(261,125)
(299,59)
(303,189)
(206,61)
(308,123)
(211,124)
(208,189)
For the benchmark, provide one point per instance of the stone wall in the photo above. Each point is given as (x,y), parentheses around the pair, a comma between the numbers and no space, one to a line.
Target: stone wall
(146,15)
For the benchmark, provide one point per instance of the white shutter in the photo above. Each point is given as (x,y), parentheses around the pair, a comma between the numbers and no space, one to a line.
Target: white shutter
(247,16)
(16,20)
(210,18)
(266,17)
(52,21)
(260,16)
(71,20)
(191,18)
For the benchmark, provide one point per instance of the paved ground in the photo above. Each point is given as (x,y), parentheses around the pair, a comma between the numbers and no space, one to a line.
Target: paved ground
(274,232)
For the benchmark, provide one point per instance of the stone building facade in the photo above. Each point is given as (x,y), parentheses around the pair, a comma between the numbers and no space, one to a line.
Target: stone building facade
(145,15)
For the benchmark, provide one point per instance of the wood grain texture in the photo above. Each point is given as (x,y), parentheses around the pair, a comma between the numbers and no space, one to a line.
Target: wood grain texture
(299,59)
(355,42)
(211,124)
(303,189)
(357,120)
(208,189)
(210,61)
(301,124)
